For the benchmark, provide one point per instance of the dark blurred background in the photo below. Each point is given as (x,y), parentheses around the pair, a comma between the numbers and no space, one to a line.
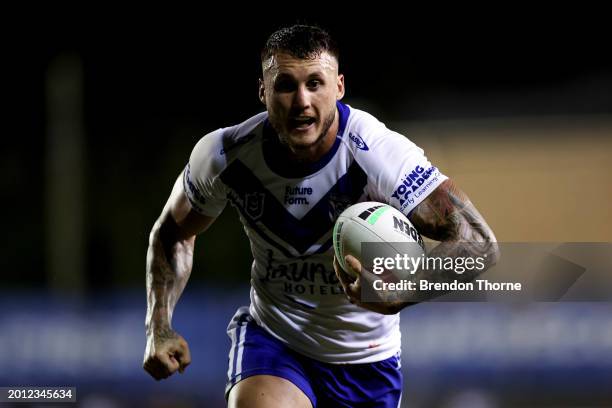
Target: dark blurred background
(103,114)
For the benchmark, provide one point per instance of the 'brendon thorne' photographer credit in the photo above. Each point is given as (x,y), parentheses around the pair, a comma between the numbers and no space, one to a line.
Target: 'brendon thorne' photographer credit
(404,263)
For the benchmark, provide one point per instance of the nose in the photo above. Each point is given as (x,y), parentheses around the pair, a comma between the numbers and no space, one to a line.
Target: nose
(301,99)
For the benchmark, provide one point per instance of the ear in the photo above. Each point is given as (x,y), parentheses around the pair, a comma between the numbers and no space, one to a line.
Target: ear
(340,92)
(262,91)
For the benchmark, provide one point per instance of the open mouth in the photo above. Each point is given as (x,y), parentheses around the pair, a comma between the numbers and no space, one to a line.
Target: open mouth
(301,122)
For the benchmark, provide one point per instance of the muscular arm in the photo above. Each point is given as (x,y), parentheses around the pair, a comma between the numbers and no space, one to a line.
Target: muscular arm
(446,215)
(169,261)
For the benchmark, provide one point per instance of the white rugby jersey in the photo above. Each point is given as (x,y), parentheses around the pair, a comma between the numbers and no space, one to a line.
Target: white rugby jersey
(289,218)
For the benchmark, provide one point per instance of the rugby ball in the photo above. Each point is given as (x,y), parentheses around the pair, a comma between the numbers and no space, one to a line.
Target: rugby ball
(374,222)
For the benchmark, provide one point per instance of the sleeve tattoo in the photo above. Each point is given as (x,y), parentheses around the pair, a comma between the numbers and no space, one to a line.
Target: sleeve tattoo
(447,215)
(168,269)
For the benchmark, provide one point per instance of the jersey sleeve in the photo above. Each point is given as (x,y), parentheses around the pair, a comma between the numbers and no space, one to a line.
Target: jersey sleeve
(399,172)
(201,182)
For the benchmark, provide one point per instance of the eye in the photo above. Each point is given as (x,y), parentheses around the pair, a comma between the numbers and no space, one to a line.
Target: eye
(284,85)
(313,83)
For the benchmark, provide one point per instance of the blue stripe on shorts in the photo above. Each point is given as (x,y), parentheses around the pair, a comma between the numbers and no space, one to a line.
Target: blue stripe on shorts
(255,352)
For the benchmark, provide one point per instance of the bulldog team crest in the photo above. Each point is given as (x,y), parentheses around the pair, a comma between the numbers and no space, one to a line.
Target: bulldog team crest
(254,204)
(337,204)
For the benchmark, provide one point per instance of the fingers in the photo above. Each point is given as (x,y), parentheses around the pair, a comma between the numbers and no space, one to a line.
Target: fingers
(161,366)
(354,264)
(364,275)
(168,360)
(345,278)
(169,363)
(183,356)
(350,285)
(337,267)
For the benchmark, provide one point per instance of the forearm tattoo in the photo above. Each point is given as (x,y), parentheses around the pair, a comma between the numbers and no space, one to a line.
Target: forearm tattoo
(448,216)
(168,269)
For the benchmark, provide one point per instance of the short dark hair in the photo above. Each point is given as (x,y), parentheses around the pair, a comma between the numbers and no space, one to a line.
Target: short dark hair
(300,41)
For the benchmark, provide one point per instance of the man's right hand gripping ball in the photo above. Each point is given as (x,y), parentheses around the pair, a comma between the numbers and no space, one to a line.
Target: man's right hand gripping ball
(166,352)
